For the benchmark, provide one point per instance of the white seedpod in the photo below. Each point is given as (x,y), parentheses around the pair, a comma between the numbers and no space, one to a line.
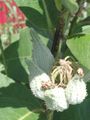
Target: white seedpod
(55,99)
(36,85)
(76,90)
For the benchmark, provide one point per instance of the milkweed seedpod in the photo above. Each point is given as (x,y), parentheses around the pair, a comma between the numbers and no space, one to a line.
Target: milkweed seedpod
(76,90)
(55,99)
(36,85)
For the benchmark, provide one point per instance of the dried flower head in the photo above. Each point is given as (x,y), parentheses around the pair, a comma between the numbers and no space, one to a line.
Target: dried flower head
(63,71)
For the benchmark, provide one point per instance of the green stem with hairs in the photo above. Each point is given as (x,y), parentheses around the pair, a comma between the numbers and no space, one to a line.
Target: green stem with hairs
(49,22)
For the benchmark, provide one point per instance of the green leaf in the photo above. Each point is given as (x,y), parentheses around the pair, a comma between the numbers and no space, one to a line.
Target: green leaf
(48,19)
(88,8)
(34,4)
(2,68)
(58,4)
(25,44)
(15,56)
(86,29)
(87,77)
(76,112)
(41,54)
(5,81)
(81,29)
(18,113)
(35,71)
(9,88)
(16,101)
(80,47)
(70,5)
(34,9)
(36,17)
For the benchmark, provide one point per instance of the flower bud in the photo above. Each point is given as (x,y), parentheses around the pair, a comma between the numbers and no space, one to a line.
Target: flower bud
(55,99)
(80,72)
(36,85)
(76,90)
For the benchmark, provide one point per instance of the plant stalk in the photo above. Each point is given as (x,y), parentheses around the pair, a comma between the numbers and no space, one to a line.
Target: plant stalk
(49,22)
(58,38)
(50,115)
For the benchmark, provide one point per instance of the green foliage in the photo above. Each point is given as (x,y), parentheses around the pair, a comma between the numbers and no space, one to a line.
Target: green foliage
(58,4)
(80,46)
(44,61)
(15,56)
(78,112)
(70,5)
(31,48)
(16,101)
(38,19)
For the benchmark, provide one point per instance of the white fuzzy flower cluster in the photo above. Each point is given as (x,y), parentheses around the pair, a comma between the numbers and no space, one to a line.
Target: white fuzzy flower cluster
(76,90)
(59,98)
(55,99)
(64,86)
(36,85)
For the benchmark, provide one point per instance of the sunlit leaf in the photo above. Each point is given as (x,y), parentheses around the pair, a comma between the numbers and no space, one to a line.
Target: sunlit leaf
(16,101)
(80,47)
(15,56)
(58,4)
(70,5)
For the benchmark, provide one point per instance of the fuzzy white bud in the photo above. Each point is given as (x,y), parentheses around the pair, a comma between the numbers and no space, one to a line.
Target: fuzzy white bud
(76,90)
(55,99)
(36,85)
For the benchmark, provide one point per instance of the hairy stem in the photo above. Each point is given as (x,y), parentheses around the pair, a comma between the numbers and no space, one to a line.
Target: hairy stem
(49,22)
